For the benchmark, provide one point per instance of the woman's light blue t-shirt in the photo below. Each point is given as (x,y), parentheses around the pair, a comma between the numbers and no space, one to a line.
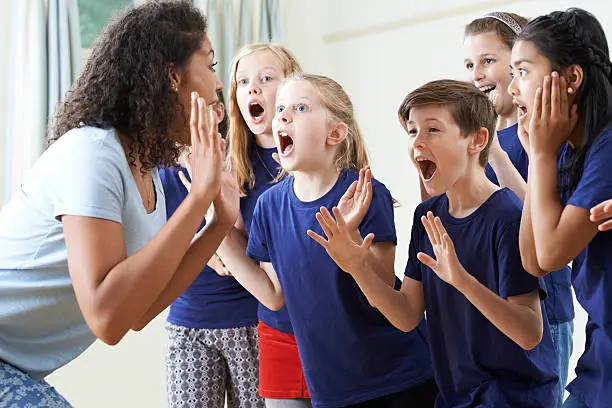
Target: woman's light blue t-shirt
(84,173)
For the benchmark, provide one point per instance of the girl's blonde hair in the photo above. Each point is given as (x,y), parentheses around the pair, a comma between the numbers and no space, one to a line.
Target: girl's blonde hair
(240,136)
(352,153)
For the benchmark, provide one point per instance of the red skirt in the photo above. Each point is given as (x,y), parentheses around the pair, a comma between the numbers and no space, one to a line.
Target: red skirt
(280,368)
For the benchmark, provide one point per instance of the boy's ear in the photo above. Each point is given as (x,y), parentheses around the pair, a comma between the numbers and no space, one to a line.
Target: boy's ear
(337,134)
(479,141)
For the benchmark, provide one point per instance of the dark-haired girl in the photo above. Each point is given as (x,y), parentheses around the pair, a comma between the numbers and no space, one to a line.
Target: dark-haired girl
(563,89)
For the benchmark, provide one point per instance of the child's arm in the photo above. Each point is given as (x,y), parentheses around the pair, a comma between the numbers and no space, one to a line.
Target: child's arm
(240,226)
(602,212)
(226,206)
(507,174)
(560,234)
(404,309)
(381,259)
(354,206)
(518,317)
(260,280)
(527,247)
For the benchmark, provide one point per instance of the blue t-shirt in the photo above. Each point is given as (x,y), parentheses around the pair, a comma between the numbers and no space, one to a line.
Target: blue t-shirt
(265,169)
(211,301)
(85,173)
(475,363)
(349,351)
(559,302)
(510,143)
(592,277)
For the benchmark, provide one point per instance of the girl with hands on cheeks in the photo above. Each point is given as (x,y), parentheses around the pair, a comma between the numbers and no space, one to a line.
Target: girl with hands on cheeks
(563,87)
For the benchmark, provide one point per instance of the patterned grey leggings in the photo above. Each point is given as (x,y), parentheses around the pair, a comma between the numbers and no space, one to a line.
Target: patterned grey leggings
(205,365)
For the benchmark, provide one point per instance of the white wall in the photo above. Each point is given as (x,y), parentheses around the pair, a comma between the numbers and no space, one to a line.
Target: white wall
(379,50)
(129,375)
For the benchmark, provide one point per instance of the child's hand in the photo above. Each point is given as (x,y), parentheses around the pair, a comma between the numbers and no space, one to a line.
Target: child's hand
(185,162)
(228,198)
(355,202)
(523,130)
(446,265)
(226,205)
(495,148)
(218,266)
(552,120)
(276,158)
(601,212)
(348,254)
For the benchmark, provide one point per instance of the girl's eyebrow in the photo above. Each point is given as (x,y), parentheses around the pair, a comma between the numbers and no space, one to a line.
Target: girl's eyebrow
(265,68)
(520,61)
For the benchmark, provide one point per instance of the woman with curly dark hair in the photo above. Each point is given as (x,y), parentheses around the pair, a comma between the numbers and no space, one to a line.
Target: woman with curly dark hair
(86,250)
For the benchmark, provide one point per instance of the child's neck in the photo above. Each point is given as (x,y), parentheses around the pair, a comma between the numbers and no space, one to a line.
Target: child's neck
(576,136)
(265,140)
(312,185)
(469,192)
(504,122)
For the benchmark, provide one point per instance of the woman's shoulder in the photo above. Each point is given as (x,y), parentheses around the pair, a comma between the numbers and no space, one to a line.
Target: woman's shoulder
(89,140)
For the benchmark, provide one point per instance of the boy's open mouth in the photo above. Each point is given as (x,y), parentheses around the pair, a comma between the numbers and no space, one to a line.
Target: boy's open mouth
(428,168)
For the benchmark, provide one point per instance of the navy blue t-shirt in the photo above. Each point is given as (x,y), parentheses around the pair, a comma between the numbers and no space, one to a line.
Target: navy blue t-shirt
(475,363)
(592,277)
(265,169)
(211,301)
(349,351)
(559,302)
(510,143)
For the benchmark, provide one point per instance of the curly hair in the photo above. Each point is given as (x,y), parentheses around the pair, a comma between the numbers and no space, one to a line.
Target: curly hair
(126,85)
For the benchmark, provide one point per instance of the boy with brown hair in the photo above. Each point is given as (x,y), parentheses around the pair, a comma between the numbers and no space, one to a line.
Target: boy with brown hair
(489,343)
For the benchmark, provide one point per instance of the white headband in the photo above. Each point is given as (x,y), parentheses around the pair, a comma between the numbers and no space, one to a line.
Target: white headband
(506,19)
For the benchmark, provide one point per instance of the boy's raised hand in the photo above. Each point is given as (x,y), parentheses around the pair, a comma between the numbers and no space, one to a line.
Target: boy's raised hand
(446,265)
(348,254)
